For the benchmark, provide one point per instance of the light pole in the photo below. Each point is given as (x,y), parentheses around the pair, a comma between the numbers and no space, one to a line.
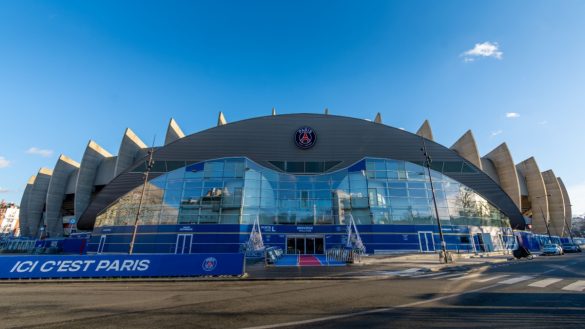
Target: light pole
(544,218)
(569,227)
(427,163)
(149,164)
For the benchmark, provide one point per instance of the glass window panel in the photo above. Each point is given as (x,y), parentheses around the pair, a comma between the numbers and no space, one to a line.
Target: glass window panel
(159,166)
(314,167)
(175,175)
(295,167)
(397,193)
(381,217)
(437,166)
(330,164)
(451,166)
(251,201)
(172,197)
(175,185)
(395,165)
(409,166)
(193,175)
(417,185)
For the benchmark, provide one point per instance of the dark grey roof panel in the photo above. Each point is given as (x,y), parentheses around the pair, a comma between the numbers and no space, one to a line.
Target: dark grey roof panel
(344,139)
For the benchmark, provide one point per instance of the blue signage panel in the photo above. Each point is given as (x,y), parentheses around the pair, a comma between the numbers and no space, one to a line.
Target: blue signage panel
(137,265)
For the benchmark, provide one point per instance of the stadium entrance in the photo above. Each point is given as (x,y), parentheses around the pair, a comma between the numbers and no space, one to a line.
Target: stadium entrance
(305,244)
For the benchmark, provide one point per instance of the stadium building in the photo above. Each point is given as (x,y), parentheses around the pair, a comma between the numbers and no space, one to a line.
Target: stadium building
(304,178)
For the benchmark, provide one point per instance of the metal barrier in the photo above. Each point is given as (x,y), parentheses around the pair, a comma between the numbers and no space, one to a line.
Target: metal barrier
(346,255)
(17,246)
(271,255)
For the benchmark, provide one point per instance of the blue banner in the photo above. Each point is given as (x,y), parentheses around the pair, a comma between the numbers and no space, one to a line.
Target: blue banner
(107,266)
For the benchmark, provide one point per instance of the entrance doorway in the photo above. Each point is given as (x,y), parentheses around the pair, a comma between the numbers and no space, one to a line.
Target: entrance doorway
(426,241)
(102,244)
(305,245)
(183,245)
(483,242)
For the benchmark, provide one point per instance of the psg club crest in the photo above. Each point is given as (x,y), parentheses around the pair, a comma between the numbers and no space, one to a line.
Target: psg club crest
(209,264)
(305,138)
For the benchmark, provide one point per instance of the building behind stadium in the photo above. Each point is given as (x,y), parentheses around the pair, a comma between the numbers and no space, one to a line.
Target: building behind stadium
(303,178)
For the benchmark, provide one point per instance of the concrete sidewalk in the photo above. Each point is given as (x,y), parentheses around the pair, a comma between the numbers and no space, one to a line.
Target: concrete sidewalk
(368,266)
(432,261)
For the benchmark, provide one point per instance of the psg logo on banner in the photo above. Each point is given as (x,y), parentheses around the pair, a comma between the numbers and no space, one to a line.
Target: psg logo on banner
(209,264)
(305,138)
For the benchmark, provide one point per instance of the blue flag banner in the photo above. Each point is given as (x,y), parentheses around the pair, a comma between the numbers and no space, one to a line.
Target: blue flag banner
(107,266)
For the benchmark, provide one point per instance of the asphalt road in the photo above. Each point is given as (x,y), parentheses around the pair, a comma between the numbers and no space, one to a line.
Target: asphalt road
(547,292)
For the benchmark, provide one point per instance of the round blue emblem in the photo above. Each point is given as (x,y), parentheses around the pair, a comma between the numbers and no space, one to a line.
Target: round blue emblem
(305,138)
(209,264)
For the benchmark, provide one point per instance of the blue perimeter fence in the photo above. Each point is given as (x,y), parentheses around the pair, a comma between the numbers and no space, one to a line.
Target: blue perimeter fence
(111,266)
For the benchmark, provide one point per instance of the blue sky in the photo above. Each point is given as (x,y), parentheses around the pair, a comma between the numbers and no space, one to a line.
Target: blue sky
(75,70)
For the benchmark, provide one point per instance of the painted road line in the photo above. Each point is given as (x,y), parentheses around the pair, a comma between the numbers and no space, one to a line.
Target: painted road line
(544,283)
(576,286)
(516,280)
(427,275)
(446,276)
(492,278)
(465,277)
(407,271)
(368,312)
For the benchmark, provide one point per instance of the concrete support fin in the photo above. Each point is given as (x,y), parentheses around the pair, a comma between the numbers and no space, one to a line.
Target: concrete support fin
(23,216)
(56,194)
(567,201)
(174,132)
(378,118)
(536,194)
(129,149)
(425,130)
(93,155)
(36,201)
(508,177)
(556,204)
(466,147)
(489,168)
(221,119)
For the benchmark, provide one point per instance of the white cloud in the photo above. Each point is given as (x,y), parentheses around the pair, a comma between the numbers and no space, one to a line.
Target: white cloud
(38,151)
(543,122)
(512,115)
(4,190)
(577,197)
(486,49)
(496,133)
(3,162)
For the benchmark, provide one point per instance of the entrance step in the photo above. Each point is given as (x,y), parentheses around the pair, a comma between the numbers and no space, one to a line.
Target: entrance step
(309,260)
(306,260)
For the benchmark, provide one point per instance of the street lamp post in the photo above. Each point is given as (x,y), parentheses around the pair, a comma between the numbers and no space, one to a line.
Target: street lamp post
(427,163)
(544,218)
(569,227)
(149,164)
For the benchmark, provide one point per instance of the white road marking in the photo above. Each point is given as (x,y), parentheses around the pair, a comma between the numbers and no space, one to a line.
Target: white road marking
(446,276)
(544,283)
(492,278)
(409,271)
(465,277)
(428,275)
(386,309)
(373,311)
(576,286)
(517,279)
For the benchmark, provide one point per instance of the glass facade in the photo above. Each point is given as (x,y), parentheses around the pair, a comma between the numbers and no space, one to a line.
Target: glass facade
(238,190)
